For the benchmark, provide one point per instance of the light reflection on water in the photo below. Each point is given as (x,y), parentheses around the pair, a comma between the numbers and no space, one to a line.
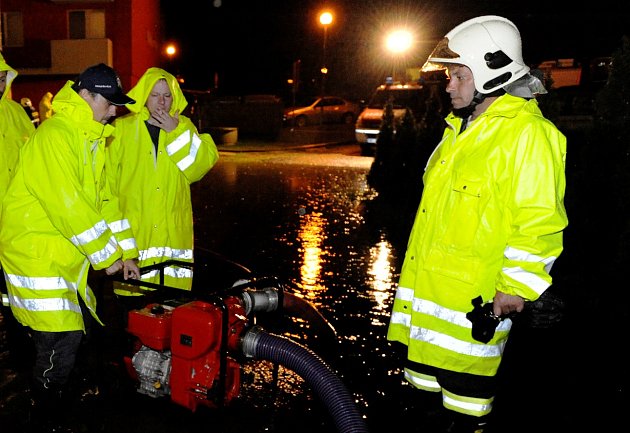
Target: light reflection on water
(311,236)
(381,273)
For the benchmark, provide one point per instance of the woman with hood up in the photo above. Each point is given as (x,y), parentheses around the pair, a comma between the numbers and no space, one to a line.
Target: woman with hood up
(155,155)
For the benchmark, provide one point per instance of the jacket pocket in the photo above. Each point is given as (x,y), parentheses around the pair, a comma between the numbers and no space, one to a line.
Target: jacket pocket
(464,214)
(452,265)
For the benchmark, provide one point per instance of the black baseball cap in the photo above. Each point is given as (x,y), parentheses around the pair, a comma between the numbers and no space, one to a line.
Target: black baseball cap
(104,80)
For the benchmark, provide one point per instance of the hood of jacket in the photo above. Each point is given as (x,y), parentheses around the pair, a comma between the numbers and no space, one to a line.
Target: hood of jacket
(11,74)
(71,105)
(143,88)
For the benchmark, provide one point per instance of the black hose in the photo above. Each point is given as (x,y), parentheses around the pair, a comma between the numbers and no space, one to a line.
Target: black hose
(314,371)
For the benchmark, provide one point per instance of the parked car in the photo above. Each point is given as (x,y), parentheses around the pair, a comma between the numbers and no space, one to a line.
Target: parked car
(322,109)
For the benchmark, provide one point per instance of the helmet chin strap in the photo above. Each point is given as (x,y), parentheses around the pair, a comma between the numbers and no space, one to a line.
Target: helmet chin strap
(478,97)
(467,111)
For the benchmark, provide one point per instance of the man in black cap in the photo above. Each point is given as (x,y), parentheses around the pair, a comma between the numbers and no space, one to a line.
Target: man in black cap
(98,83)
(57,220)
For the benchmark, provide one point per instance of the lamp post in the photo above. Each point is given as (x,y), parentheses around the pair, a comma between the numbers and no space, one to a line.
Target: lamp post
(325,19)
(397,42)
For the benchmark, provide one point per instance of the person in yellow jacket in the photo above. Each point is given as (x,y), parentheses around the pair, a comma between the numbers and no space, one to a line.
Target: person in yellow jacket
(15,125)
(154,157)
(489,224)
(58,219)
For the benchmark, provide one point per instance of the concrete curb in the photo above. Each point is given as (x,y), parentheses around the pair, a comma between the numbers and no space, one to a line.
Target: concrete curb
(260,146)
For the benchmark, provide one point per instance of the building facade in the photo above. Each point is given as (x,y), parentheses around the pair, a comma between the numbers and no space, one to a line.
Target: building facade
(51,41)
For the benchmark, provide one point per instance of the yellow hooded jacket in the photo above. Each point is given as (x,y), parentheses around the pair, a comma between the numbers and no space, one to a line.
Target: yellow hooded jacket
(58,218)
(154,186)
(15,127)
(45,107)
(491,218)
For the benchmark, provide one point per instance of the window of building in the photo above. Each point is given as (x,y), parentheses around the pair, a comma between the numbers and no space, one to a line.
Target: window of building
(86,24)
(12,29)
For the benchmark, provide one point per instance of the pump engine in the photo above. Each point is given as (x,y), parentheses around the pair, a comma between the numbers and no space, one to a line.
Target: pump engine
(185,351)
(189,351)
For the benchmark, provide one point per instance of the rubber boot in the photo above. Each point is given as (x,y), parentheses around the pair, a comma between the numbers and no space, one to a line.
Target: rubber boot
(460,423)
(47,411)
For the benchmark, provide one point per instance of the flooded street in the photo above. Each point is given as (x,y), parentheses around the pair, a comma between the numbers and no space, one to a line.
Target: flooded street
(310,219)
(309,222)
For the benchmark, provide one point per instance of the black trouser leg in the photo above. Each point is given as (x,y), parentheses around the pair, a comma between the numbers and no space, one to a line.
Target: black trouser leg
(54,361)
(55,354)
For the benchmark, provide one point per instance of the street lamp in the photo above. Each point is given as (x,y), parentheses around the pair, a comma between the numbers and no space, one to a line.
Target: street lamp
(170,50)
(325,19)
(397,43)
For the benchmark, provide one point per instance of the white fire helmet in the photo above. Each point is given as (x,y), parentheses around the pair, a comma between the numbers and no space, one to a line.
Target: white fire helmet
(489,45)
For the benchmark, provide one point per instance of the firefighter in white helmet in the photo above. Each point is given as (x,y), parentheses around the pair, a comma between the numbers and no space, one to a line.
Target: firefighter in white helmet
(489,225)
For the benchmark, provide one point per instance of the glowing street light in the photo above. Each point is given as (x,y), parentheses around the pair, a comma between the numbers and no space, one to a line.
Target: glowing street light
(398,42)
(325,19)
(170,50)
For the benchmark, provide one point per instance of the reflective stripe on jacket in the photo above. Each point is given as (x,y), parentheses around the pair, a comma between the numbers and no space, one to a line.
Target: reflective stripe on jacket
(491,218)
(154,186)
(58,218)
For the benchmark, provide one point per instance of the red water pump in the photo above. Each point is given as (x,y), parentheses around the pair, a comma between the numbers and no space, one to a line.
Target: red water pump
(188,351)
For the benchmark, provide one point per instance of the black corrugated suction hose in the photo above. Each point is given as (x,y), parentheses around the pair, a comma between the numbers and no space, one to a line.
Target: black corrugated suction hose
(329,388)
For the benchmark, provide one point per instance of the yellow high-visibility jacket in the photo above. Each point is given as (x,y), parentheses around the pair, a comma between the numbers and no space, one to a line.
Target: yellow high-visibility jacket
(154,186)
(491,218)
(58,217)
(15,129)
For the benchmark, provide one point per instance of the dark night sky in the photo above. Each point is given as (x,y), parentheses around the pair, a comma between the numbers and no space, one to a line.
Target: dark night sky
(250,45)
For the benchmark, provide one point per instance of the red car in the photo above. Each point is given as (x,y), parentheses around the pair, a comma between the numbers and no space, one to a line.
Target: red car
(322,109)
